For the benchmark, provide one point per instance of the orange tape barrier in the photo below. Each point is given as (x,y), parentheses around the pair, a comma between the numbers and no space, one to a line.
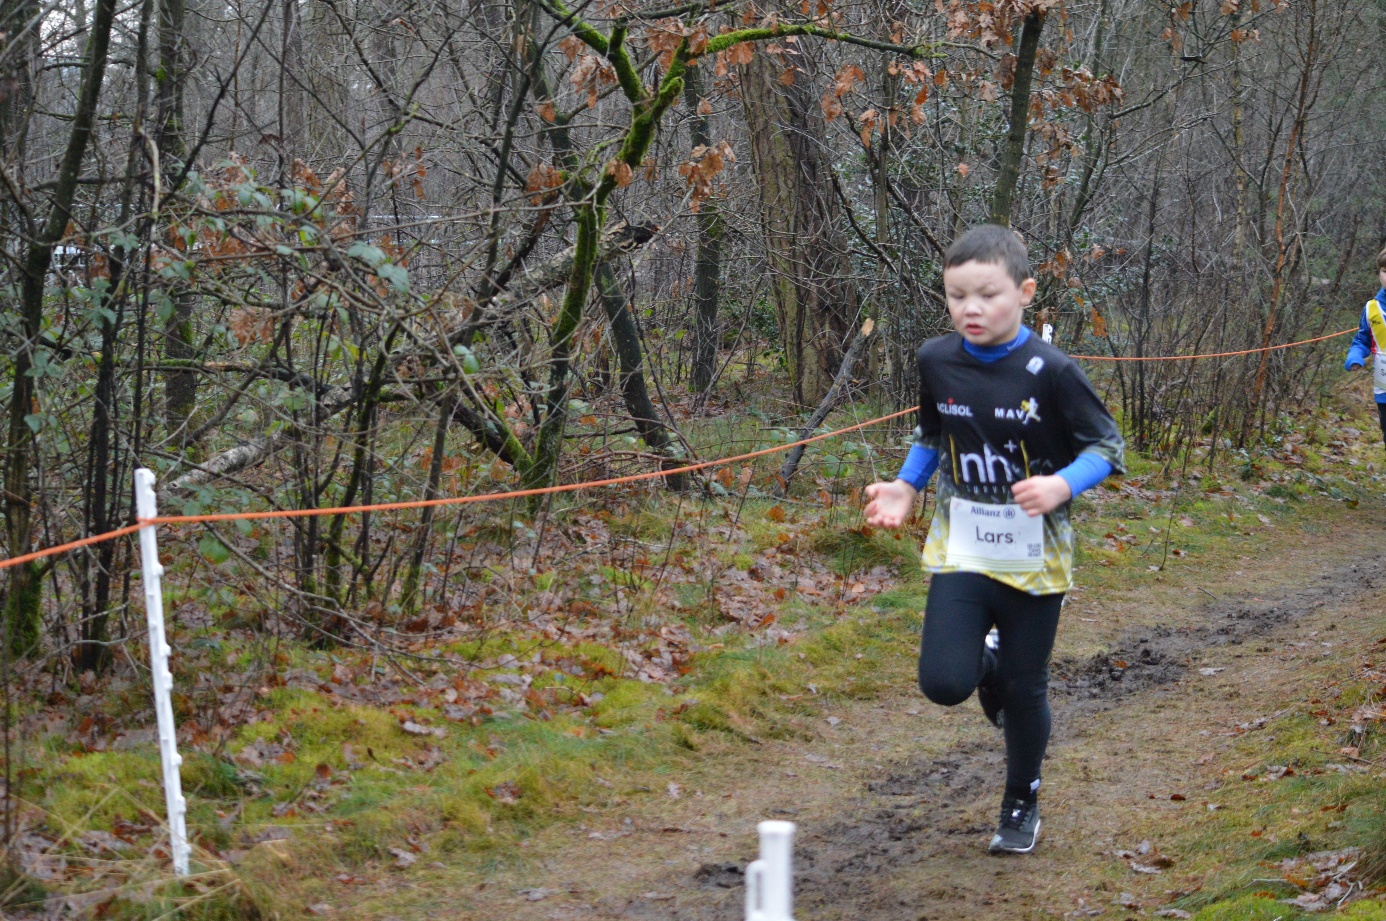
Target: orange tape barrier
(514,494)
(455,500)
(71,545)
(1269,348)
(567,487)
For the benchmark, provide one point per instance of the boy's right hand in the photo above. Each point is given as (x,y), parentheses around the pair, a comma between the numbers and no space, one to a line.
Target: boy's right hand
(890,505)
(1353,362)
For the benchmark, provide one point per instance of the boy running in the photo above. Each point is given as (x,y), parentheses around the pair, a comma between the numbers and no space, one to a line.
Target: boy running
(1371,340)
(1015,431)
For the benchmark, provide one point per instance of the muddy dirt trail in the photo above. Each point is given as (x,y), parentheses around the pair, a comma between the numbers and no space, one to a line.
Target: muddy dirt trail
(895,798)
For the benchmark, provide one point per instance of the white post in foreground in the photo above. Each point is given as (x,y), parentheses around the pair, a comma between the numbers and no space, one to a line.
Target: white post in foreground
(770,880)
(145,507)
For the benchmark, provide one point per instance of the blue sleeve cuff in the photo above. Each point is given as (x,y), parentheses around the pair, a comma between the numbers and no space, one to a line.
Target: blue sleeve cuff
(1086,471)
(920,465)
(1355,354)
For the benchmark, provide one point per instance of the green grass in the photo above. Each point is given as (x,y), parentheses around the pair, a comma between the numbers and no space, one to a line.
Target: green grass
(1250,908)
(1316,806)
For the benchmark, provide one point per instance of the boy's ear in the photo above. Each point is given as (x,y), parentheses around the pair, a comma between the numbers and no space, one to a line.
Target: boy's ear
(1027,290)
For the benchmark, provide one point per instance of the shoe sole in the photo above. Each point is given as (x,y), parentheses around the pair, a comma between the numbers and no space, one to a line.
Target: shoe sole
(993,849)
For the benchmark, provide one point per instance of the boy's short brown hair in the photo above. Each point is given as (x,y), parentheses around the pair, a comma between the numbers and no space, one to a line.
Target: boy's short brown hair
(1381,260)
(993,244)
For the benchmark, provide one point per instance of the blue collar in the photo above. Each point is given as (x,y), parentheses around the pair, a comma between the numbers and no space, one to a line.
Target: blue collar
(990,353)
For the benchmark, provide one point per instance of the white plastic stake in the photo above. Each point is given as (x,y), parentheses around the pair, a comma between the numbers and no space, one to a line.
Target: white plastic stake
(770,880)
(1047,334)
(755,873)
(145,507)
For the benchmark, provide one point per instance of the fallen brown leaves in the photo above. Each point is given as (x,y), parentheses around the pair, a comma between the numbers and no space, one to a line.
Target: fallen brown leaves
(1326,878)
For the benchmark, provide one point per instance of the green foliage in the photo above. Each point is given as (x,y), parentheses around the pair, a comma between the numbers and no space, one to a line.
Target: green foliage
(213,550)
(1249,908)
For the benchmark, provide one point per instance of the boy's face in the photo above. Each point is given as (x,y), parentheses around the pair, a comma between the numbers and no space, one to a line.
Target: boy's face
(985,302)
(1381,276)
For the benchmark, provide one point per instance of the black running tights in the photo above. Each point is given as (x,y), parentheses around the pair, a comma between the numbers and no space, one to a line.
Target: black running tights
(962,607)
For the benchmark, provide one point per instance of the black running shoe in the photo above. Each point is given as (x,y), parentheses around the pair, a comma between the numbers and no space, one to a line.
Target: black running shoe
(987,695)
(1018,828)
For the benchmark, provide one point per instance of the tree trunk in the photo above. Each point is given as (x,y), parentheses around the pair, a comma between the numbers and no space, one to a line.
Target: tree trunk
(180,386)
(707,266)
(22,604)
(289,95)
(362,461)
(94,653)
(1243,216)
(878,156)
(1008,176)
(328,83)
(21,61)
(549,444)
(625,338)
(409,594)
(815,300)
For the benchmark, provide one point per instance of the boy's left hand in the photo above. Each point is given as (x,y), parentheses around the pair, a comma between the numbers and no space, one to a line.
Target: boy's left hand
(1040,495)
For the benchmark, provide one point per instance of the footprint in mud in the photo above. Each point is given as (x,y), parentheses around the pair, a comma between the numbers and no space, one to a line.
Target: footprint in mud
(720,876)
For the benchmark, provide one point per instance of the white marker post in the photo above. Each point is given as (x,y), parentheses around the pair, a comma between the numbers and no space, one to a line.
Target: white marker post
(1048,333)
(770,880)
(145,507)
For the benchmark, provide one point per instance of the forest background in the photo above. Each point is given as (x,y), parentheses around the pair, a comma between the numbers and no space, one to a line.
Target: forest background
(296,255)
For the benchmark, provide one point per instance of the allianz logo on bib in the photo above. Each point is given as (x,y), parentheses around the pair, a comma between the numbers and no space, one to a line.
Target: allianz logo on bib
(984,510)
(954,409)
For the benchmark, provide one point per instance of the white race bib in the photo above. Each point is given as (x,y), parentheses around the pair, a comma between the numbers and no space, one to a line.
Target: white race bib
(1379,372)
(994,538)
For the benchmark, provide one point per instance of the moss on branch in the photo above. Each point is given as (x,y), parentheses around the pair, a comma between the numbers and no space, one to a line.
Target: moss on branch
(581,28)
(625,68)
(760,33)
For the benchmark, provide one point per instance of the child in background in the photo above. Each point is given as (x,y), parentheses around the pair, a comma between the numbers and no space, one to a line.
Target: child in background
(1371,340)
(1015,431)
